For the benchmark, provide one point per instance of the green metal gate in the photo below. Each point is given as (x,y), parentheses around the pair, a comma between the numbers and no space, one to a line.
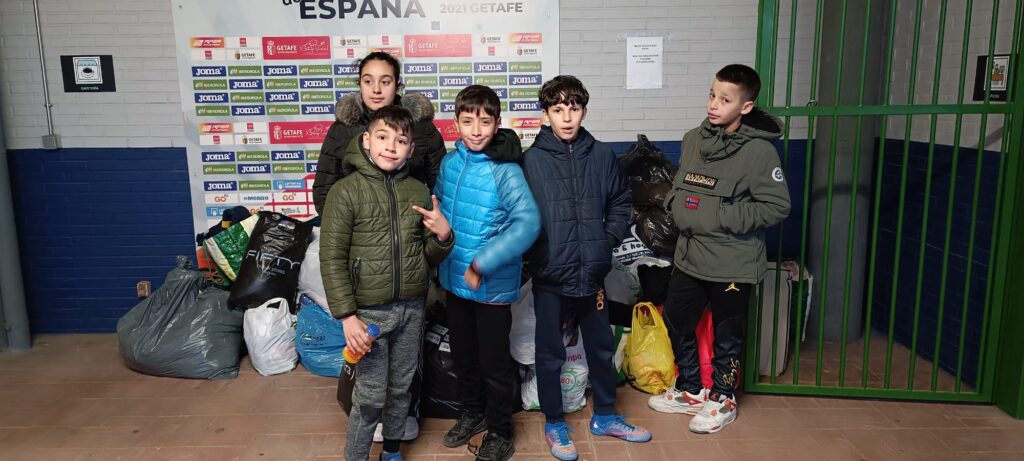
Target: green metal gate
(901,184)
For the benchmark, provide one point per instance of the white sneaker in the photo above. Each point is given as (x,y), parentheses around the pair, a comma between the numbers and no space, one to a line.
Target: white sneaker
(675,401)
(715,415)
(412,430)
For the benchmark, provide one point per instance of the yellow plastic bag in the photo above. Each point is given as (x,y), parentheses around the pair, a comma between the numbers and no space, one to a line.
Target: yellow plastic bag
(650,364)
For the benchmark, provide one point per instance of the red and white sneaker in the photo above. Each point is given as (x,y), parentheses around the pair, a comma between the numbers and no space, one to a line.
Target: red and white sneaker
(675,401)
(718,412)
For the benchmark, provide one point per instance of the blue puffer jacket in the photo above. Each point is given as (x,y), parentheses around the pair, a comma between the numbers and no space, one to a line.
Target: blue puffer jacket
(585,208)
(491,211)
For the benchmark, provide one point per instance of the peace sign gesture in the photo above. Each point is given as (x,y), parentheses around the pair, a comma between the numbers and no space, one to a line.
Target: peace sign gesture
(435,221)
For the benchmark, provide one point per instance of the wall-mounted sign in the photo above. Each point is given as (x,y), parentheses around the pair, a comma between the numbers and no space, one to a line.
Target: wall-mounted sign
(998,72)
(85,74)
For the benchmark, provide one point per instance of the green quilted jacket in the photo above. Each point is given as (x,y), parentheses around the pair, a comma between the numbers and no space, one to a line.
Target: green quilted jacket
(374,248)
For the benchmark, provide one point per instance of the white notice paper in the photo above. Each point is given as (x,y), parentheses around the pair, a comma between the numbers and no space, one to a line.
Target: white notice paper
(643,62)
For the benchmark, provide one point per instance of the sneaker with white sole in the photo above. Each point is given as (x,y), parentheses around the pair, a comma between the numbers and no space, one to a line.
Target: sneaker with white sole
(676,401)
(718,412)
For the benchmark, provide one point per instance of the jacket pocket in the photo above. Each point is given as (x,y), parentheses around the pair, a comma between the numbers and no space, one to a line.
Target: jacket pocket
(695,208)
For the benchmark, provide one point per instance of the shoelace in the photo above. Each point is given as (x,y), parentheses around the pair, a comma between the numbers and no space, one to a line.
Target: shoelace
(619,423)
(562,434)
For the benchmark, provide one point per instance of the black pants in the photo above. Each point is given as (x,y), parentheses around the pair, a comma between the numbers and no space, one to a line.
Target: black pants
(684,305)
(483,363)
(552,310)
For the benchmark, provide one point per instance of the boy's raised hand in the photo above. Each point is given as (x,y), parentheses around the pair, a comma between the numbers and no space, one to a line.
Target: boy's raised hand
(435,221)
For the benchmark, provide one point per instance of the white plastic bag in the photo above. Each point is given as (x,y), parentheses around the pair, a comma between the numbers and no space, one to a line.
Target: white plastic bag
(524,324)
(311,283)
(574,378)
(270,336)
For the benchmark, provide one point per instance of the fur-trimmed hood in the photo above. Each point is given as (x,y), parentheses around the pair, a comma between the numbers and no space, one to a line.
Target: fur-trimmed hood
(350,111)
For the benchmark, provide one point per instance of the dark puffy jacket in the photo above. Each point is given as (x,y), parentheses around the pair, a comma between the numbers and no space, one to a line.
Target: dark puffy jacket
(585,211)
(373,246)
(350,121)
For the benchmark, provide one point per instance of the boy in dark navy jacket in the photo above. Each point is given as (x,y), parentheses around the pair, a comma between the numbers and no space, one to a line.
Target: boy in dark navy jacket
(585,211)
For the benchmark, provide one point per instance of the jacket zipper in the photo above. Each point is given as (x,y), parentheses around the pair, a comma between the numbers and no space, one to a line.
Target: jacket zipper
(458,187)
(389,183)
(576,208)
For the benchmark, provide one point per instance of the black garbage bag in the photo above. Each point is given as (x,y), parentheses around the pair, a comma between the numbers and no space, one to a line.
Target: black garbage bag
(440,393)
(184,330)
(270,267)
(648,172)
(655,228)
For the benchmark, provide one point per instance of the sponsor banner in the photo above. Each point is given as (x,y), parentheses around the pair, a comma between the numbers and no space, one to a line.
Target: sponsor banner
(491,80)
(317,47)
(456,67)
(431,93)
(290,197)
(254,156)
(254,185)
(257,105)
(315,96)
(220,185)
(298,132)
(287,155)
(245,55)
(447,128)
(250,139)
(207,42)
(215,128)
(526,80)
(346,69)
(245,71)
(282,84)
(280,71)
(211,111)
(525,123)
(438,46)
(203,85)
(418,82)
(216,157)
(420,68)
(221,198)
(289,184)
(244,97)
(527,136)
(319,69)
(250,127)
(216,140)
(207,54)
(242,42)
(209,71)
(289,168)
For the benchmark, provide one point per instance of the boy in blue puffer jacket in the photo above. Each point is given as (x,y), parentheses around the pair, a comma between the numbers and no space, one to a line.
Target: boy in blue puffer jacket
(585,210)
(494,218)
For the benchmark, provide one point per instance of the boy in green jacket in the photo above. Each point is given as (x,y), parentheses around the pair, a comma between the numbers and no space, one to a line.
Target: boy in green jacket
(728,190)
(381,230)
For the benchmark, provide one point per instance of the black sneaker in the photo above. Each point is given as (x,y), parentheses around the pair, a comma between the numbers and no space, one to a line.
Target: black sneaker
(495,448)
(468,425)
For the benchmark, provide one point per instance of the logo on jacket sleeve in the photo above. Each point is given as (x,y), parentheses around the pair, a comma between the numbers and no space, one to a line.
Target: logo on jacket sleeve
(777,174)
(692,202)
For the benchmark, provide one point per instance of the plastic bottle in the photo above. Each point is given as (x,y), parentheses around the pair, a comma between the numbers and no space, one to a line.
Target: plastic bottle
(353,357)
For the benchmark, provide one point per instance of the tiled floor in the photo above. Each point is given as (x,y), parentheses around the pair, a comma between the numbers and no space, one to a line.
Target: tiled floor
(70,398)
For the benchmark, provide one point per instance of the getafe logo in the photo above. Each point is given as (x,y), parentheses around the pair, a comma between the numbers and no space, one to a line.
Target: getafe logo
(275,71)
(209,71)
(456,81)
(696,179)
(246,84)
